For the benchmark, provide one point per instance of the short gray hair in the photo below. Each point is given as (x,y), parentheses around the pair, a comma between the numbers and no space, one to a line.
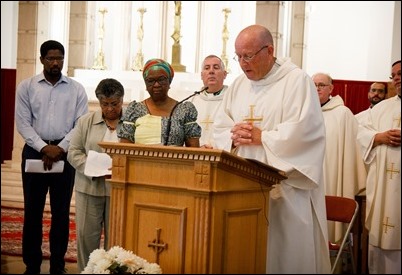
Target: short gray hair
(213,56)
(109,87)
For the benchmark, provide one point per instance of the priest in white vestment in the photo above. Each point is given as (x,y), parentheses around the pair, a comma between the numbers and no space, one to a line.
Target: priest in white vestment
(213,75)
(376,94)
(344,170)
(271,113)
(380,139)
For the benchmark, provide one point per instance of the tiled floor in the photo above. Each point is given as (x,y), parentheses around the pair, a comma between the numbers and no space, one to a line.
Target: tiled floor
(15,265)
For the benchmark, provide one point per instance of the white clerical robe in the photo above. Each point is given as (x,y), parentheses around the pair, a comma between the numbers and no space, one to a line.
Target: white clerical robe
(344,170)
(362,115)
(285,106)
(207,105)
(383,187)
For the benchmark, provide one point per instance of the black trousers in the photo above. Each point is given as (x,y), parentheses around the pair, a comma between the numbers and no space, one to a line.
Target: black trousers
(36,186)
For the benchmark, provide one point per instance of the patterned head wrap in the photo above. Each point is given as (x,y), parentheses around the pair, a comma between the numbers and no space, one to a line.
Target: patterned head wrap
(157,64)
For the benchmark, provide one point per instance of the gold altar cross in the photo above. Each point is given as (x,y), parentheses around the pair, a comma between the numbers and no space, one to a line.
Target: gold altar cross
(398,121)
(391,170)
(251,118)
(386,225)
(206,122)
(157,245)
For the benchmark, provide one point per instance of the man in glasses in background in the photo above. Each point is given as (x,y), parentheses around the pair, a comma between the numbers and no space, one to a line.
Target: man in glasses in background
(48,106)
(272,114)
(344,171)
(377,93)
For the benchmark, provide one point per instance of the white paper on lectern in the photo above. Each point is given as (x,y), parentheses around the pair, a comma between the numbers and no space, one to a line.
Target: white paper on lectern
(98,164)
(36,166)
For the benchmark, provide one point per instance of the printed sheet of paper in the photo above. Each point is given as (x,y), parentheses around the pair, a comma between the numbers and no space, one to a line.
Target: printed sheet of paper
(98,164)
(36,166)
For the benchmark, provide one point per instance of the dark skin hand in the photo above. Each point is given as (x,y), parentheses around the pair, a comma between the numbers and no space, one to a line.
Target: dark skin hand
(391,138)
(51,154)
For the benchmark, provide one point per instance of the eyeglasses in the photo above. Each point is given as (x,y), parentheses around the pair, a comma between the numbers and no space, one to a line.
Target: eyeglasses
(380,91)
(248,58)
(321,85)
(393,75)
(161,80)
(54,58)
(113,104)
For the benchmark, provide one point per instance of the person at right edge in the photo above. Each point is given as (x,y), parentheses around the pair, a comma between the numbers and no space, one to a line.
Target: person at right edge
(379,137)
(272,114)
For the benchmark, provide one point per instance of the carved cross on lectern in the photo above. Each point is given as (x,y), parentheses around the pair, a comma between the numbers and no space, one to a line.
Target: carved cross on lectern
(252,118)
(157,245)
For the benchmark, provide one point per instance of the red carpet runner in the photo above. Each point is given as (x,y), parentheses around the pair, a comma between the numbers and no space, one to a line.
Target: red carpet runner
(11,234)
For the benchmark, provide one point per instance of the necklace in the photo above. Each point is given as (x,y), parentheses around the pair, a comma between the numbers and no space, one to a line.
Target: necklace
(111,128)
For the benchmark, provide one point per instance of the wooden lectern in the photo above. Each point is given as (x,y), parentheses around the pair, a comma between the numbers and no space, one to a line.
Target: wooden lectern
(191,210)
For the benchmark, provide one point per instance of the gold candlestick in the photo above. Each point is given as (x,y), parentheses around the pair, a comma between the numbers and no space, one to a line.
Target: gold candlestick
(225,38)
(139,58)
(177,23)
(99,63)
(176,48)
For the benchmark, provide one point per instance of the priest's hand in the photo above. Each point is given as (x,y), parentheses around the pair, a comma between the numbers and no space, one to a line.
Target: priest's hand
(391,138)
(245,133)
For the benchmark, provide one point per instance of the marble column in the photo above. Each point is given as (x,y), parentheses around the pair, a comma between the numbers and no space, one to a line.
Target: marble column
(271,14)
(82,26)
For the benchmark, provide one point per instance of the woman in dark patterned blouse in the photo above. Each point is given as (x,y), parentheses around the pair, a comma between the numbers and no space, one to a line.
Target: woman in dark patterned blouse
(157,119)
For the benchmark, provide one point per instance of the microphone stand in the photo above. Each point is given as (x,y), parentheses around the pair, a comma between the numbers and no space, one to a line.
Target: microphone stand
(169,123)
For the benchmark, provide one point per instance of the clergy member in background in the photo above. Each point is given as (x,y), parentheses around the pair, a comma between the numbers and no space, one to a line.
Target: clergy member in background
(213,75)
(344,171)
(377,93)
(380,140)
(271,113)
(92,194)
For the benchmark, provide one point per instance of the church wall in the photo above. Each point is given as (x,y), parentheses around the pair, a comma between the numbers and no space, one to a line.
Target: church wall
(351,40)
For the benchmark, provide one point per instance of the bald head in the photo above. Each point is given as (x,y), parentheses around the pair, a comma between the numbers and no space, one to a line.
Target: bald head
(255,51)
(255,34)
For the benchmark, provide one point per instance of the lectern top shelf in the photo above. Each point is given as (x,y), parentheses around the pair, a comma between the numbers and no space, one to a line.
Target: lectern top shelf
(268,175)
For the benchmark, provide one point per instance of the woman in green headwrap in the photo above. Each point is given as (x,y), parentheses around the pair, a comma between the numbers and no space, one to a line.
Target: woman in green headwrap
(157,119)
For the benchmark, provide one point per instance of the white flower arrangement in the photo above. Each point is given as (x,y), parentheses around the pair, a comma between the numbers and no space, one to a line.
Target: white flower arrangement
(119,261)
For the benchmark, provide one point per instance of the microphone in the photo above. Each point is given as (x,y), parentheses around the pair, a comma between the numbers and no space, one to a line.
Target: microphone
(167,134)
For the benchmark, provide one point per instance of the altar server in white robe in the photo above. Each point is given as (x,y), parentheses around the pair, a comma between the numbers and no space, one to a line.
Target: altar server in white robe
(380,139)
(213,75)
(271,113)
(344,170)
